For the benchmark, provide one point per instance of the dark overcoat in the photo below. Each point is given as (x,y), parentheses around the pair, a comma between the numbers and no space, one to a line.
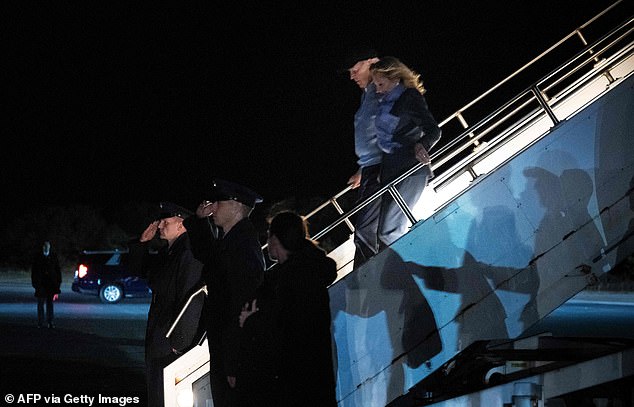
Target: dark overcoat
(174,274)
(46,275)
(302,326)
(234,268)
(258,362)
(416,125)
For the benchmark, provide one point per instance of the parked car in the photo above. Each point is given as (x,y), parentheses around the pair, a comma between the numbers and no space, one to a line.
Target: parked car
(104,273)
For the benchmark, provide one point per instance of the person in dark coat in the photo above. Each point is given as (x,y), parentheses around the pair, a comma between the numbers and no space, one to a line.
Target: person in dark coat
(174,274)
(405,133)
(257,368)
(46,278)
(300,322)
(234,267)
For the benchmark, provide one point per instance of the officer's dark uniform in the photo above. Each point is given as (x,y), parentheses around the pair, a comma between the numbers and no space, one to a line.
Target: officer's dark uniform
(234,268)
(174,274)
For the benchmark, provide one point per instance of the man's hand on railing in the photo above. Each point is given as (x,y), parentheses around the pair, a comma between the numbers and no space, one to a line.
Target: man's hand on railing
(421,154)
(355,180)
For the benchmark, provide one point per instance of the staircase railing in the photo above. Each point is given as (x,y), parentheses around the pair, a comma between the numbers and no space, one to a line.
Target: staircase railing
(462,152)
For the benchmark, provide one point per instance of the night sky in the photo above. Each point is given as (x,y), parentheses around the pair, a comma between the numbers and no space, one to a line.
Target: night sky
(112,102)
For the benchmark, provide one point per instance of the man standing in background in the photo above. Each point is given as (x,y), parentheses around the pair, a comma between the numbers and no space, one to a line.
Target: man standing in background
(46,278)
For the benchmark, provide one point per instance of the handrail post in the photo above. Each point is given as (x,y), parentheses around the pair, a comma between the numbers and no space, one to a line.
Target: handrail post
(402,204)
(472,172)
(542,102)
(607,74)
(339,209)
(465,125)
(585,43)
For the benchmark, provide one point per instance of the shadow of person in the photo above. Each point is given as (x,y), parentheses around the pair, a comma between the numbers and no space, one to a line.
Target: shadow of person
(479,316)
(486,290)
(495,241)
(566,232)
(623,272)
(577,187)
(413,330)
(387,325)
(627,250)
(418,323)
(470,282)
(565,199)
(382,324)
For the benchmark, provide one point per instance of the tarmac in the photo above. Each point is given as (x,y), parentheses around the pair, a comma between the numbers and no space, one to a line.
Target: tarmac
(58,362)
(86,362)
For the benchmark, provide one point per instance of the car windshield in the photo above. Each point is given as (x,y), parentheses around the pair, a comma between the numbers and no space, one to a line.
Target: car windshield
(107,258)
(114,260)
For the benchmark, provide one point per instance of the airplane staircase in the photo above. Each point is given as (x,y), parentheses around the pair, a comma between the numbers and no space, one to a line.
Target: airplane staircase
(529,205)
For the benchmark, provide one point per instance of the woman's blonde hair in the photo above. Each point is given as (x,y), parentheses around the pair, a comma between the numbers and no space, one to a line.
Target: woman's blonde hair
(392,68)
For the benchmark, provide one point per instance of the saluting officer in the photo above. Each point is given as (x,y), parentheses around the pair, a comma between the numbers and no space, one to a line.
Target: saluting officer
(234,267)
(173,275)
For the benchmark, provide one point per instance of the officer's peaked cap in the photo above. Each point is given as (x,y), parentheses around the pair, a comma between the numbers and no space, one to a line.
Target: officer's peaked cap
(169,209)
(223,190)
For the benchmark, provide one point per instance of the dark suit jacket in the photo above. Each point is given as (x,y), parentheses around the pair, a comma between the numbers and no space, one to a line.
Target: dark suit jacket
(173,275)
(416,125)
(46,276)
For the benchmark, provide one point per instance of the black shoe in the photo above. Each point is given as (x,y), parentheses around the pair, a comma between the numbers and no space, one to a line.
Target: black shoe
(39,325)
(51,325)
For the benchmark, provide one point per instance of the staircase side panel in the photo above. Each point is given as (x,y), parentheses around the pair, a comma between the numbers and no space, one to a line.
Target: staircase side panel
(498,258)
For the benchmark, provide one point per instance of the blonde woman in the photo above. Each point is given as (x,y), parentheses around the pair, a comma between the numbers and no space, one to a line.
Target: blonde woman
(406,131)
